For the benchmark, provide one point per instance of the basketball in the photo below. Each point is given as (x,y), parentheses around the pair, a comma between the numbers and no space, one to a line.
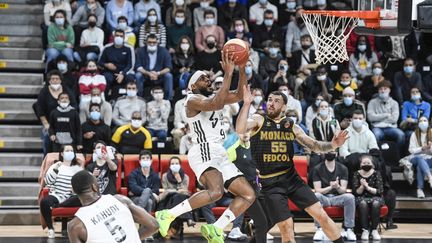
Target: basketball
(239,49)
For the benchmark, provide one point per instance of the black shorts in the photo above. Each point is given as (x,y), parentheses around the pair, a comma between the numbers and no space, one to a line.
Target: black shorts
(277,190)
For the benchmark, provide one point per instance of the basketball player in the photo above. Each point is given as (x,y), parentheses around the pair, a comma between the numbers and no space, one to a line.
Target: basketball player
(106,218)
(272,137)
(207,156)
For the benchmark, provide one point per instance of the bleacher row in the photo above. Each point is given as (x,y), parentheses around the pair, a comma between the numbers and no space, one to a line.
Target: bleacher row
(129,162)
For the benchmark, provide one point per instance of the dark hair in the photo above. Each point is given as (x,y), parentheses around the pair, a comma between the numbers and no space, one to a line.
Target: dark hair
(145,152)
(384,83)
(131,82)
(151,36)
(98,141)
(410,59)
(122,18)
(208,11)
(119,31)
(66,23)
(93,105)
(82,181)
(63,93)
(157,87)
(52,73)
(179,10)
(358,112)
(321,67)
(305,36)
(345,71)
(268,11)
(284,97)
(93,15)
(191,46)
(368,48)
(174,157)
(74,161)
(147,24)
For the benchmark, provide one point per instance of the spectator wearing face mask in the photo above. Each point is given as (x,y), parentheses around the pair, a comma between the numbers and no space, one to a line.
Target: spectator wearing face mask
(313,111)
(141,9)
(183,61)
(370,83)
(91,42)
(268,65)
(267,32)
(126,105)
(94,129)
(199,14)
(209,28)
(65,126)
(209,59)
(239,29)
(281,77)
(144,183)
(52,6)
(345,108)
(152,25)
(253,78)
(258,104)
(420,146)
(229,12)
(96,97)
(286,13)
(360,63)
(293,115)
(317,83)
(158,111)
(69,79)
(412,110)
(257,11)
(405,80)
(153,67)
(171,12)
(177,31)
(132,137)
(383,114)
(117,62)
(346,80)
(130,37)
(81,16)
(104,168)
(116,8)
(185,141)
(90,79)
(295,30)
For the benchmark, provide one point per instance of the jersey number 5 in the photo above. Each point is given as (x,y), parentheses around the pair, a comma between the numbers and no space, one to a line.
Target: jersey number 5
(114,228)
(278,147)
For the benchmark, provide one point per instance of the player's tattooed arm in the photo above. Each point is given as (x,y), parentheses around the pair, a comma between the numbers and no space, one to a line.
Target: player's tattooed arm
(318,146)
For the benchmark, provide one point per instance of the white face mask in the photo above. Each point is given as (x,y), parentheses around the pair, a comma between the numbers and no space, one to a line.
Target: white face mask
(98,153)
(423,126)
(118,41)
(357,123)
(345,83)
(131,93)
(377,71)
(152,49)
(179,2)
(152,19)
(136,123)
(55,86)
(122,25)
(257,100)
(322,77)
(68,155)
(158,97)
(184,46)
(64,104)
(209,21)
(145,163)
(204,4)
(179,20)
(175,168)
(96,99)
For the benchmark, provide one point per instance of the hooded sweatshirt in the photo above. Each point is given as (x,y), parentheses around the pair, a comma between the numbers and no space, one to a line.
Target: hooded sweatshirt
(358,142)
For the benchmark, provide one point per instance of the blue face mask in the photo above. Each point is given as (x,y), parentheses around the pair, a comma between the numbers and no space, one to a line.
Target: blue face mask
(348,101)
(408,69)
(273,51)
(291,5)
(268,22)
(95,115)
(248,70)
(59,21)
(175,168)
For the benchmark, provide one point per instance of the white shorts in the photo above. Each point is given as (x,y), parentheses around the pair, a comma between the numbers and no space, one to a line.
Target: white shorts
(212,155)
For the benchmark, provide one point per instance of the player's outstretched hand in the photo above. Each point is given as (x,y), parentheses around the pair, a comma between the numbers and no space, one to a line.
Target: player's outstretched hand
(227,63)
(247,95)
(339,138)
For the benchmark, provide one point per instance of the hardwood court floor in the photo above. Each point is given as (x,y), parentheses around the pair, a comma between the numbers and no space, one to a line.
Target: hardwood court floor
(406,233)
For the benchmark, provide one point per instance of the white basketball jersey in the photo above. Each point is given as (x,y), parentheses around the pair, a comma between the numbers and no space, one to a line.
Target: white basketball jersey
(206,126)
(108,221)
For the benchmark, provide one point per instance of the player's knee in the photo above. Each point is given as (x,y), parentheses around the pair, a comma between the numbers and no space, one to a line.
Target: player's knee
(249,196)
(216,194)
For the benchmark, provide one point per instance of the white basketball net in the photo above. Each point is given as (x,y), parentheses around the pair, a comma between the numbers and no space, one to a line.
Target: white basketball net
(329,34)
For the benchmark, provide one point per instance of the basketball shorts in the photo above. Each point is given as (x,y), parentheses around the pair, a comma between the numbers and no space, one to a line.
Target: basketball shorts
(277,190)
(211,155)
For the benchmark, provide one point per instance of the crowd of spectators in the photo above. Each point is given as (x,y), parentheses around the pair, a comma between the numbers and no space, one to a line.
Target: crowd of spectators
(117,73)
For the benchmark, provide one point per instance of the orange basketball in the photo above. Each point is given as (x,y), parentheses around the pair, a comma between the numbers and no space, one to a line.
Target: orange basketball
(239,49)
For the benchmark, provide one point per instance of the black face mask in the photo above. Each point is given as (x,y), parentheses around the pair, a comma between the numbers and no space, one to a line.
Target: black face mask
(305,47)
(299,20)
(92,24)
(211,45)
(330,156)
(366,167)
(92,71)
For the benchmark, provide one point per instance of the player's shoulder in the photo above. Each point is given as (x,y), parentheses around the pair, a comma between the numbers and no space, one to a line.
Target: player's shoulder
(123,199)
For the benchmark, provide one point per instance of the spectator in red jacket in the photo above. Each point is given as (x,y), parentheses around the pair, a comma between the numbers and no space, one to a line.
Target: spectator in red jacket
(90,79)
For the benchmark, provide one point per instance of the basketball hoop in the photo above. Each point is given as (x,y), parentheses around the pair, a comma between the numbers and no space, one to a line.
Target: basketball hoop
(330,30)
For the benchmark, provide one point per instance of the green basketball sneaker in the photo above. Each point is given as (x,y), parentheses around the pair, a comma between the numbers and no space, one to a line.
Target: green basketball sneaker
(164,218)
(212,233)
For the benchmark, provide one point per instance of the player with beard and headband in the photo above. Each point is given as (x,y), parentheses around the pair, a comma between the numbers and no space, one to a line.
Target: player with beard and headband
(106,218)
(207,156)
(272,137)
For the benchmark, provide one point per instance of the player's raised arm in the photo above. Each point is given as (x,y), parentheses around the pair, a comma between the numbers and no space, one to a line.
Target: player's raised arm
(77,232)
(216,102)
(244,124)
(148,224)
(319,146)
(237,95)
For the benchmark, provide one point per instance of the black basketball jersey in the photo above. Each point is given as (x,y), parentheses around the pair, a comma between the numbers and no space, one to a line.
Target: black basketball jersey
(272,146)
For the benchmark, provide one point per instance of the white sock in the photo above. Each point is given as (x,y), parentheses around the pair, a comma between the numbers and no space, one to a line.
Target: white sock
(226,218)
(181,208)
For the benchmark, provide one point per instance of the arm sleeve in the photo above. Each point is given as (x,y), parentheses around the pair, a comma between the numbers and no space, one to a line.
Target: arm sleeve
(343,150)
(50,176)
(404,111)
(78,131)
(163,38)
(134,187)
(156,184)
(116,138)
(355,183)
(372,115)
(372,141)
(100,15)
(130,12)
(148,142)
(380,185)
(427,110)
(413,146)
(394,113)
(77,16)
(109,18)
(129,64)
(116,115)
(71,35)
(199,40)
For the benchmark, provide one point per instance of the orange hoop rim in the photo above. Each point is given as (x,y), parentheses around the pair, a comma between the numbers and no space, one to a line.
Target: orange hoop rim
(370,15)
